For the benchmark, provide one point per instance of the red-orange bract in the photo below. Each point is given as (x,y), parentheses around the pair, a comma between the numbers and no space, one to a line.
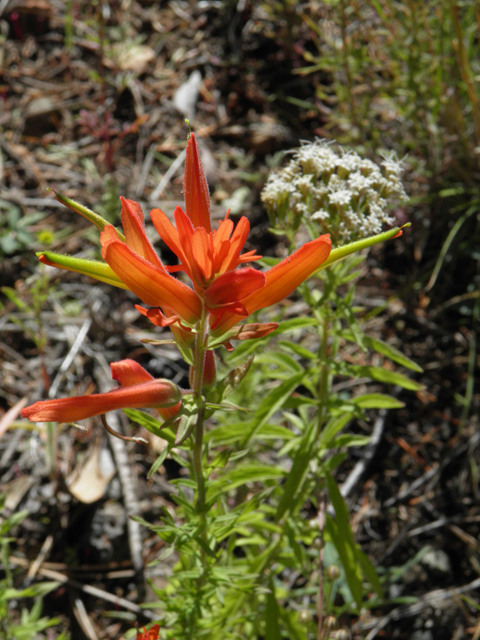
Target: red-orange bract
(221,290)
(209,257)
(138,389)
(151,634)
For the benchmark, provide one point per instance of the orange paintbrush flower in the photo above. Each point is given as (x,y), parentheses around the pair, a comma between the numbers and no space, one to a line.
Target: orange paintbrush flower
(209,257)
(138,389)
(212,258)
(151,634)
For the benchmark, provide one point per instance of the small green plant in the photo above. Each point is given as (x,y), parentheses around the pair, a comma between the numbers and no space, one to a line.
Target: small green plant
(14,233)
(27,623)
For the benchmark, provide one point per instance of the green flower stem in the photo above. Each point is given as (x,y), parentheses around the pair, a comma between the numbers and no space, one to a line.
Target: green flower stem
(51,449)
(197,458)
(198,365)
(324,381)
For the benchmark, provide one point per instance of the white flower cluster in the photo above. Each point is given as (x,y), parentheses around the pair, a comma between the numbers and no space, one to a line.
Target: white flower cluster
(344,193)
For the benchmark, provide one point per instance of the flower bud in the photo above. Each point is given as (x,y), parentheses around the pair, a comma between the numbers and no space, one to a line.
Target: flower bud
(304,616)
(333,572)
(330,623)
(318,543)
(209,372)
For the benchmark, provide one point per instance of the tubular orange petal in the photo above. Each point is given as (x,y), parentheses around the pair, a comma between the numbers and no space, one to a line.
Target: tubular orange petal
(195,245)
(149,283)
(238,239)
(202,252)
(169,234)
(224,231)
(134,228)
(156,317)
(209,369)
(250,256)
(286,276)
(195,188)
(233,287)
(156,393)
(281,280)
(128,372)
(169,412)
(152,634)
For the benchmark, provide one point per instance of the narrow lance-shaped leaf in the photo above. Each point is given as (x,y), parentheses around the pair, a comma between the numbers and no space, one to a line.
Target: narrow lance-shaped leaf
(272,403)
(384,375)
(295,479)
(272,615)
(385,349)
(377,401)
(343,539)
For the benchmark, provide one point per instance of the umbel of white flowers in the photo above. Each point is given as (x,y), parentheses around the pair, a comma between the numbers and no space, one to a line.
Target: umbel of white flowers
(346,195)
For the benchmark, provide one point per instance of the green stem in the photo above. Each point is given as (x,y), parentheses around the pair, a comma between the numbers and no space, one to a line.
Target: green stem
(197,461)
(324,380)
(198,364)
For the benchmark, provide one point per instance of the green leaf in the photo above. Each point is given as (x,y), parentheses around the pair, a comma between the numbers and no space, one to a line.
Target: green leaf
(201,543)
(272,615)
(235,432)
(295,479)
(231,380)
(13,297)
(295,324)
(271,404)
(335,461)
(333,426)
(247,473)
(185,429)
(298,350)
(12,521)
(188,418)
(342,537)
(377,401)
(348,440)
(158,462)
(369,571)
(282,360)
(33,591)
(385,349)
(151,424)
(220,461)
(383,375)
